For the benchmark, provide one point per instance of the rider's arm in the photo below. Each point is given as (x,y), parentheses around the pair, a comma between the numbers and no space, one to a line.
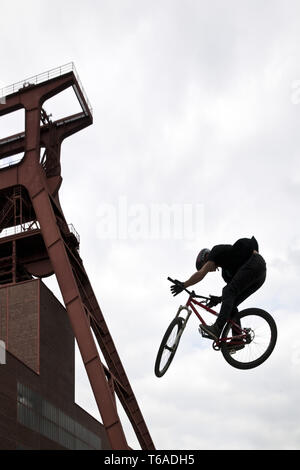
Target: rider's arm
(199,275)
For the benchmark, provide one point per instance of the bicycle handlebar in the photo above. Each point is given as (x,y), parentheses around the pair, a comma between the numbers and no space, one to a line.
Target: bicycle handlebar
(189,292)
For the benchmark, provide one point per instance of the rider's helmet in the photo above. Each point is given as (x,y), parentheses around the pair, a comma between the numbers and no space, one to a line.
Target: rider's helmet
(202,258)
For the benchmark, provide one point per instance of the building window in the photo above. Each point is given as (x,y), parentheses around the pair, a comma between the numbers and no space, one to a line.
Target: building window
(43,417)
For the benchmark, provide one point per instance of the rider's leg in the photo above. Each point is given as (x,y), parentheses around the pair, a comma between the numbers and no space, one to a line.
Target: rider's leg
(234,317)
(247,280)
(243,296)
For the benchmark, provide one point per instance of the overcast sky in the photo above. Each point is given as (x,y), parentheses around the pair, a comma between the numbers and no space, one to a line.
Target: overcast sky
(196,103)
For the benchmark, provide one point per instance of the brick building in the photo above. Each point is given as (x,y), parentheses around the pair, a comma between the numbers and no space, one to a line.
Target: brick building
(37,409)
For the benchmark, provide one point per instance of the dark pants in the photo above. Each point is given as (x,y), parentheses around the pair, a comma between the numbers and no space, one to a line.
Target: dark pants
(245,282)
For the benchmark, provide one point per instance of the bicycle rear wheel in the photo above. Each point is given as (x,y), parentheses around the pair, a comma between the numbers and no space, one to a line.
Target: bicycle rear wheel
(259,342)
(168,346)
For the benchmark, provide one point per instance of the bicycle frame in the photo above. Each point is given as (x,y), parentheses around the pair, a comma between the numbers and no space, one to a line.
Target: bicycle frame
(191,304)
(192,300)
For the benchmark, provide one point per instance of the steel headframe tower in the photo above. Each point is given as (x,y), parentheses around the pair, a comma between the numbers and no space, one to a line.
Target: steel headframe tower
(42,243)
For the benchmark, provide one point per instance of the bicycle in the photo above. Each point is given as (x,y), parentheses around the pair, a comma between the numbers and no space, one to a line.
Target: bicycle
(248,347)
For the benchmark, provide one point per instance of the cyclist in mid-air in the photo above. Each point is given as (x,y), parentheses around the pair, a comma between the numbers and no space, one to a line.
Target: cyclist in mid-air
(243,269)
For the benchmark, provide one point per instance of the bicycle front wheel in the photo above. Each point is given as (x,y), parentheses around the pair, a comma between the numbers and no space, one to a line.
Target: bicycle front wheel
(260,338)
(168,346)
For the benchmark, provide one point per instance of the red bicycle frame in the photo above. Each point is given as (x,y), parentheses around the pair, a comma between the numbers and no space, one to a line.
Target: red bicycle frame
(192,301)
(237,337)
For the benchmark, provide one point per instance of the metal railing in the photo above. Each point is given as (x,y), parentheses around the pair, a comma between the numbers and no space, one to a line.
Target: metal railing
(74,232)
(15,230)
(33,225)
(44,77)
(10,161)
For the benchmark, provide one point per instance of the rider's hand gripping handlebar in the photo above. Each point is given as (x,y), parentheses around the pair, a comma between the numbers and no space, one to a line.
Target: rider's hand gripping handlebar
(192,293)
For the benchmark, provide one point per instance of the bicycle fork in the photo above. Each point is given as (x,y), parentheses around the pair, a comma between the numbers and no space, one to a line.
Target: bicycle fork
(184,321)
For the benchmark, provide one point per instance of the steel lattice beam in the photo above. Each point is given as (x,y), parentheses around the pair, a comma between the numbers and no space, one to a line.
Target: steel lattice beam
(81,304)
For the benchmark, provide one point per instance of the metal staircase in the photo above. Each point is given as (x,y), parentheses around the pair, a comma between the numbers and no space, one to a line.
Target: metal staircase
(6,214)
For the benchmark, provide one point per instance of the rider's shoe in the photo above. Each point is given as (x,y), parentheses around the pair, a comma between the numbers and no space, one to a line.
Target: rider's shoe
(213,331)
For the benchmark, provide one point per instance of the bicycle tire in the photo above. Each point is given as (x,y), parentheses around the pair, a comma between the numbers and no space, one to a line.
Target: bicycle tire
(268,323)
(160,368)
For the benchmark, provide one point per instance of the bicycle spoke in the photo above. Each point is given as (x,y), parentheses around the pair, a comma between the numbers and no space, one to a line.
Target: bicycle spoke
(168,346)
(259,340)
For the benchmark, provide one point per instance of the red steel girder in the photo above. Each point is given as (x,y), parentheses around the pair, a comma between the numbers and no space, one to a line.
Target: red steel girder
(80,301)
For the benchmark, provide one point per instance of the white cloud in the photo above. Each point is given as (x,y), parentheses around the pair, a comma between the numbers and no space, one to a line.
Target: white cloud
(192,104)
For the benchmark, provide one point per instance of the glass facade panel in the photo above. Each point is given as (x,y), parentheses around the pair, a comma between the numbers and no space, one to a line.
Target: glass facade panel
(45,418)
